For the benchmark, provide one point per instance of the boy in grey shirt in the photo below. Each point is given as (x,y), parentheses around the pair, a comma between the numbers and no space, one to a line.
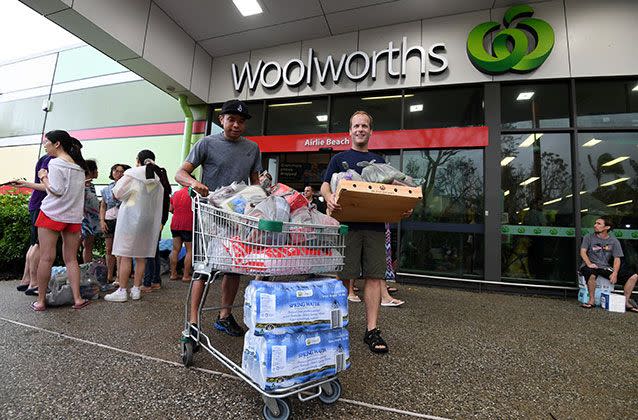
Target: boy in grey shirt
(596,250)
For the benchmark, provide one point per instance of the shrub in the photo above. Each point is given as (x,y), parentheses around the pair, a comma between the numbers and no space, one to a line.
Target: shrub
(14,229)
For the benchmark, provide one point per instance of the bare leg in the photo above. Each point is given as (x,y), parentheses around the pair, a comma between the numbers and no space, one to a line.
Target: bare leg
(230,285)
(385,295)
(110,260)
(196,296)
(372,297)
(48,239)
(629,287)
(591,287)
(140,266)
(188,261)
(26,275)
(33,265)
(177,246)
(124,271)
(87,251)
(70,246)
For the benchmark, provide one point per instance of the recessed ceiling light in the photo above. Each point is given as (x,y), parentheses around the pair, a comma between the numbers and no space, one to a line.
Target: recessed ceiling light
(524,96)
(615,161)
(506,160)
(635,89)
(416,108)
(592,143)
(529,181)
(322,118)
(248,7)
(290,104)
(615,181)
(530,140)
(556,200)
(376,98)
(506,193)
(620,203)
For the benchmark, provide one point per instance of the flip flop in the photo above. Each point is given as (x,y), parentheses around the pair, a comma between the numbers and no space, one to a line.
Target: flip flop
(354,298)
(37,308)
(587,306)
(392,289)
(81,305)
(33,291)
(355,288)
(393,302)
(22,287)
(631,309)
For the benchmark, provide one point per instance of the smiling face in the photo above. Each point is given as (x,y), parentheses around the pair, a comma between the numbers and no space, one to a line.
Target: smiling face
(233,125)
(360,131)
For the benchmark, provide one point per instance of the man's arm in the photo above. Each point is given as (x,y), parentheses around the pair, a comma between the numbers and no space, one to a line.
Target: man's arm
(583,255)
(184,178)
(327,194)
(613,277)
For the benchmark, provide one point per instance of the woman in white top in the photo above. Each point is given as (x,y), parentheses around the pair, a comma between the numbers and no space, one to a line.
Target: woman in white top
(61,213)
(139,221)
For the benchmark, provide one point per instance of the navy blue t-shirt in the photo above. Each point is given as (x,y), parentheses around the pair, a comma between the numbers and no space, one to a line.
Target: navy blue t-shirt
(352,157)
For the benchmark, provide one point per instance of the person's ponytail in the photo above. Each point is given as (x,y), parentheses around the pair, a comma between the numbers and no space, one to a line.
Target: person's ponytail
(70,145)
(76,153)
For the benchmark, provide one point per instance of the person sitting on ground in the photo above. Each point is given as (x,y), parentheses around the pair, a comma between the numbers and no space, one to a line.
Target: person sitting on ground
(182,231)
(596,250)
(139,221)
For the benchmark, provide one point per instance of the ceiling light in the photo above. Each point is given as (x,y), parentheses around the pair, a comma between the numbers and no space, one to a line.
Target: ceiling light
(506,193)
(583,192)
(569,195)
(524,96)
(217,109)
(620,203)
(615,161)
(592,143)
(248,7)
(322,118)
(615,181)
(376,98)
(525,209)
(530,140)
(635,89)
(584,210)
(289,104)
(529,181)
(506,160)
(556,200)
(416,108)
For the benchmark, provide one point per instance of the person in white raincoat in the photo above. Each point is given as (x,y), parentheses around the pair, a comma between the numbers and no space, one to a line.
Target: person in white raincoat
(139,221)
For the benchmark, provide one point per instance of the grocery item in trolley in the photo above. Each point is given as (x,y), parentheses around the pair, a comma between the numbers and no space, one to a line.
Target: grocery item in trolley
(272,308)
(272,208)
(281,361)
(294,198)
(349,175)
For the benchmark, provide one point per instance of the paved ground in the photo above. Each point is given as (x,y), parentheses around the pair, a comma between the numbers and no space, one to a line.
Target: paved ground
(454,354)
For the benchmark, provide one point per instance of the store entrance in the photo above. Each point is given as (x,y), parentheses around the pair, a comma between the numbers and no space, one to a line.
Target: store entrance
(298,170)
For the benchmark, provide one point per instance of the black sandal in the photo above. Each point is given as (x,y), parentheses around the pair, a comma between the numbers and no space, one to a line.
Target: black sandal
(375,342)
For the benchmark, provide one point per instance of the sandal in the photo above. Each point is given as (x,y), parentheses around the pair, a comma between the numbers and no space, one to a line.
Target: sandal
(375,342)
(587,306)
(81,305)
(37,308)
(354,298)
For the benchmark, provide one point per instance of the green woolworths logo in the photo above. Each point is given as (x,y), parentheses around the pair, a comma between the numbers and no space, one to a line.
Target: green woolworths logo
(516,56)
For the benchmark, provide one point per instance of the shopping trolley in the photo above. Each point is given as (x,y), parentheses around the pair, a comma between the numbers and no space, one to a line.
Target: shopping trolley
(228,242)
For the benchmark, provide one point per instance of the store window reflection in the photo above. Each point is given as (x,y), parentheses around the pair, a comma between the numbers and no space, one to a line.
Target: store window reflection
(445,234)
(609,185)
(612,103)
(254,126)
(298,116)
(448,107)
(537,220)
(542,105)
(385,109)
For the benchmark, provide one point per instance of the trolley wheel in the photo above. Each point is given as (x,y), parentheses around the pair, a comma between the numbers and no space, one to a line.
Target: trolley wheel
(187,353)
(333,395)
(284,410)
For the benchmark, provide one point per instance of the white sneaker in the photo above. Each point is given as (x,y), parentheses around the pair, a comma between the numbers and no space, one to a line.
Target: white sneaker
(119,295)
(136,293)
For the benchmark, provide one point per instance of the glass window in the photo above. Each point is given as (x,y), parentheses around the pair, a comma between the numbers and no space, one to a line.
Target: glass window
(607,103)
(445,236)
(297,116)
(254,126)
(27,74)
(538,214)
(609,185)
(535,105)
(385,109)
(84,62)
(438,108)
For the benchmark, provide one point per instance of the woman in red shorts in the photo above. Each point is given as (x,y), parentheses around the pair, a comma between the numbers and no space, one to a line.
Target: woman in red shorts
(61,213)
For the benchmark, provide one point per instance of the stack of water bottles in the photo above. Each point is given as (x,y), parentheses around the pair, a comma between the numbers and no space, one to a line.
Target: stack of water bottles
(296,331)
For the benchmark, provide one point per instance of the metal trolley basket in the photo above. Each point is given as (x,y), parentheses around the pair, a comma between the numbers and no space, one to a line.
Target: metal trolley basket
(228,242)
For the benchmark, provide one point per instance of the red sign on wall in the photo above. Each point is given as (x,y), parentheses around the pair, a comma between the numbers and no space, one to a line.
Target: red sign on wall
(430,138)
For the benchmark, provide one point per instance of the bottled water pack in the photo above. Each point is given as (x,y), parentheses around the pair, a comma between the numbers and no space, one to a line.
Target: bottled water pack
(282,361)
(280,308)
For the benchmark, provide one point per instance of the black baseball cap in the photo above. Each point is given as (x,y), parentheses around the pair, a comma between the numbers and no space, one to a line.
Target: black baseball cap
(236,107)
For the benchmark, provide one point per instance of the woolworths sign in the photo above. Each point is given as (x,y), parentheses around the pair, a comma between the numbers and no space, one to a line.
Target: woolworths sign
(510,46)
(272,74)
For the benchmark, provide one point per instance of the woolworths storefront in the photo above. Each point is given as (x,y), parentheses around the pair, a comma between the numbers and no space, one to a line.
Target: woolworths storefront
(520,122)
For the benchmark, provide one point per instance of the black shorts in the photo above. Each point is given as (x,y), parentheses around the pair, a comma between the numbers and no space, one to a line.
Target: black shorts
(110,225)
(33,216)
(623,274)
(184,235)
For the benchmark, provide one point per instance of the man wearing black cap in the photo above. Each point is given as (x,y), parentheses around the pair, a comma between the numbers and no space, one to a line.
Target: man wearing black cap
(225,158)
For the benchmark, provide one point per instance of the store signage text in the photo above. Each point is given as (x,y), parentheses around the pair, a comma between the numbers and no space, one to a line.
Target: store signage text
(510,46)
(271,74)
(329,142)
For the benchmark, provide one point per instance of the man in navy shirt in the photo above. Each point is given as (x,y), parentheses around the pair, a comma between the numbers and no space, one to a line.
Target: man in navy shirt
(365,242)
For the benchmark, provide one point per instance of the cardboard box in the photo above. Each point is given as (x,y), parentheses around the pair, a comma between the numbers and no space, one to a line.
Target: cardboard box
(613,302)
(603,285)
(373,202)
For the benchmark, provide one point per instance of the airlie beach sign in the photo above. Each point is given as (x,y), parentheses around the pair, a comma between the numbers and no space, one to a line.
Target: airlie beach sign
(356,66)
(510,47)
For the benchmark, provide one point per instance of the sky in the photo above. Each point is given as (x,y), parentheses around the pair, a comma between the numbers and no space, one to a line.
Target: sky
(31,34)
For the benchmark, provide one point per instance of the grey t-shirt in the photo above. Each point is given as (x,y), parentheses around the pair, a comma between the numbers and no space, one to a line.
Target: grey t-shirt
(224,161)
(601,250)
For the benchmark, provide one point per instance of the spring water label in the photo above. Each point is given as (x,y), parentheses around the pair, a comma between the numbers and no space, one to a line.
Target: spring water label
(335,318)
(311,341)
(304,293)
(278,359)
(340,360)
(268,305)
